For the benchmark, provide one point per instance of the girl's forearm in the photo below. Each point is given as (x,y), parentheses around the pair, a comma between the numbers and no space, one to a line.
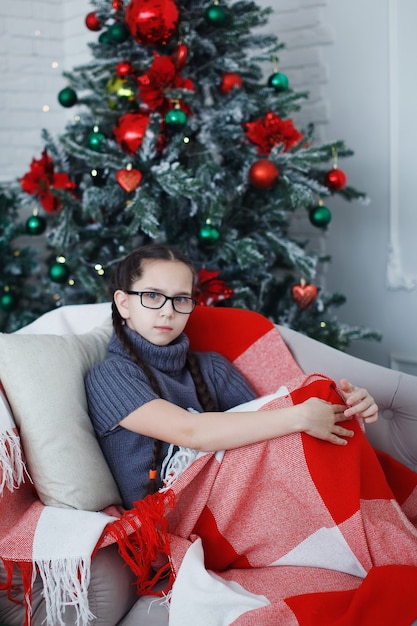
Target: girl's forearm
(212,431)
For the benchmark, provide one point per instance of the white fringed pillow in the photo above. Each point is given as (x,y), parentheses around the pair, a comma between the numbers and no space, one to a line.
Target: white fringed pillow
(43,377)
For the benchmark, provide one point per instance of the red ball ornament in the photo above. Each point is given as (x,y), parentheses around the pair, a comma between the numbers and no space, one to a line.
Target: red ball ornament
(123,69)
(152,21)
(304,294)
(230,80)
(335,179)
(130,130)
(263,174)
(92,22)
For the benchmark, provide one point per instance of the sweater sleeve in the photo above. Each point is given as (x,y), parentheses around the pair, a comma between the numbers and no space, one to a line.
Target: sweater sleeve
(114,389)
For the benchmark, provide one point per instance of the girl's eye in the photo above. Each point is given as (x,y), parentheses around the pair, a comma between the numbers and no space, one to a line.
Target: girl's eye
(180,299)
(154,296)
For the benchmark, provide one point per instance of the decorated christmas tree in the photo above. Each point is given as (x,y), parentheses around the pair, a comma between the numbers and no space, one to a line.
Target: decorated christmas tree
(183,133)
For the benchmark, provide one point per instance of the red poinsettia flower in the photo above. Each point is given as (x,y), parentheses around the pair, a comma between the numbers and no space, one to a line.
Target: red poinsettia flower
(162,75)
(270,131)
(41,180)
(210,289)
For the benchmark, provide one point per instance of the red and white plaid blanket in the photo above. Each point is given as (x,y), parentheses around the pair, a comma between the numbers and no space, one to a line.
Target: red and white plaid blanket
(291,531)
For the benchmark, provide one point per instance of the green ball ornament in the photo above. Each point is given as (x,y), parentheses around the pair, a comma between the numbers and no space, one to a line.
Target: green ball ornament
(8,300)
(59,272)
(208,234)
(35,225)
(278,81)
(94,140)
(320,216)
(104,38)
(216,15)
(176,119)
(118,33)
(67,97)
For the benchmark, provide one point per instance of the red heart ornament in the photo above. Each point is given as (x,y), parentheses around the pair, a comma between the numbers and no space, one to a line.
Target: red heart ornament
(304,295)
(129,180)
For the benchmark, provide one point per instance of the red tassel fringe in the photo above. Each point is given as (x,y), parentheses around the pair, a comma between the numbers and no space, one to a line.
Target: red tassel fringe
(142,536)
(24,570)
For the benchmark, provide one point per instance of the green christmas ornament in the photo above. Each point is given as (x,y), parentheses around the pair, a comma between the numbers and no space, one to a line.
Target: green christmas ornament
(208,234)
(176,118)
(278,81)
(104,37)
(8,300)
(94,140)
(35,225)
(216,15)
(118,32)
(320,216)
(59,272)
(67,97)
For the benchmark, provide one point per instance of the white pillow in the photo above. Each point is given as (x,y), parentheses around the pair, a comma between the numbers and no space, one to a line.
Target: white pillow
(255,405)
(43,377)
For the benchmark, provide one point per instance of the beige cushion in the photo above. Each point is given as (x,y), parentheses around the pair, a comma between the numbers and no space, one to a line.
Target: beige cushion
(43,376)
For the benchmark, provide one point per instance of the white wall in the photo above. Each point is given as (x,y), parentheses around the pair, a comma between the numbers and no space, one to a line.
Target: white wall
(372,96)
(339,51)
(39,39)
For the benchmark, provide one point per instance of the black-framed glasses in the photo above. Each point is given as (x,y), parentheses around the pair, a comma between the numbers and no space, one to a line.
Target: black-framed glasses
(155,300)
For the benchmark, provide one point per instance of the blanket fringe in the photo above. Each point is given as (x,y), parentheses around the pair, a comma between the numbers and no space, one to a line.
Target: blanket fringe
(12,466)
(142,536)
(65,583)
(26,574)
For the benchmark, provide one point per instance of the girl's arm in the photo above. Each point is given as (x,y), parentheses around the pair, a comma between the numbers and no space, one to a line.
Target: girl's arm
(221,431)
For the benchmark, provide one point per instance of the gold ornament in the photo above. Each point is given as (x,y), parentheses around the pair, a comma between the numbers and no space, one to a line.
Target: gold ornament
(117,88)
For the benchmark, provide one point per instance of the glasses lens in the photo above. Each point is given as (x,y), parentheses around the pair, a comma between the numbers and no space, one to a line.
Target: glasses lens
(152,300)
(183,305)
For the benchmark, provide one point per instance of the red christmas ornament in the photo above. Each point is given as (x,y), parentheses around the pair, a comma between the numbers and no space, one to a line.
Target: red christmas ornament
(129,179)
(161,76)
(263,174)
(335,179)
(229,81)
(117,5)
(210,289)
(41,180)
(270,131)
(152,21)
(123,69)
(92,22)
(304,294)
(179,56)
(130,130)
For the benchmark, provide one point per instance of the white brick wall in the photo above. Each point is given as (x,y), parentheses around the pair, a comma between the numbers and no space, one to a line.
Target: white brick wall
(34,34)
(33,38)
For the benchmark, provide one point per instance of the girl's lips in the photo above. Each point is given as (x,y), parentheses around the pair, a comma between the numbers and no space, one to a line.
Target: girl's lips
(163,328)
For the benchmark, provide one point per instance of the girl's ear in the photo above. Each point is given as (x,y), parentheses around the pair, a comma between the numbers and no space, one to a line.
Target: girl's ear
(121,301)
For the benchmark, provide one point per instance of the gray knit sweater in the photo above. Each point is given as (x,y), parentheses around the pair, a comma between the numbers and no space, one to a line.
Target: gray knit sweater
(117,386)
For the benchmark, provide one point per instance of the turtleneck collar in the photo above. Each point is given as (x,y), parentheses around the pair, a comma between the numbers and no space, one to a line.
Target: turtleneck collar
(171,358)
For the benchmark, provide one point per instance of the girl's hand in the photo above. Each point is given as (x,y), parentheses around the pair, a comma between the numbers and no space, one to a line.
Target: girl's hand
(322,419)
(359,402)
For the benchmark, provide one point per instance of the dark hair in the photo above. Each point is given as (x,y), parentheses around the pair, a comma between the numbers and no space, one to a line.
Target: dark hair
(127,272)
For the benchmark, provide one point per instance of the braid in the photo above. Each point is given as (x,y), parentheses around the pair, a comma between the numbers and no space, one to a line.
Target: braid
(124,340)
(203,392)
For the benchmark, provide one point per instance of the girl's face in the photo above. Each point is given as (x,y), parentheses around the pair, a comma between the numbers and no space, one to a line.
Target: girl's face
(159,326)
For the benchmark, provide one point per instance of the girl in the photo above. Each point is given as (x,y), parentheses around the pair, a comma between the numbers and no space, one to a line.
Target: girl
(145,394)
